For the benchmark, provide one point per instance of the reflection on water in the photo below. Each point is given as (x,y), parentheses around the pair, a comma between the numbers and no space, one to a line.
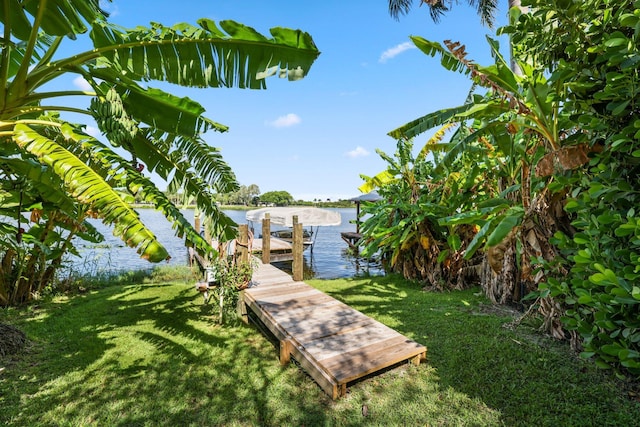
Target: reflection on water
(330,258)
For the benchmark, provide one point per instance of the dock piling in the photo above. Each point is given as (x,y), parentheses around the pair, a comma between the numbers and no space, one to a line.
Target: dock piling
(266,239)
(297,264)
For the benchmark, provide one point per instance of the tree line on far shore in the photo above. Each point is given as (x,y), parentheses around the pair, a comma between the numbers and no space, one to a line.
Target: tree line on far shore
(251,196)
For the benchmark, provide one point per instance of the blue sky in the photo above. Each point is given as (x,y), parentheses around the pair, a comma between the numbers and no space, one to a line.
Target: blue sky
(314,137)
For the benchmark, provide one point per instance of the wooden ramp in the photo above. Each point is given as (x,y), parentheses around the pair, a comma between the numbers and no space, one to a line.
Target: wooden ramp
(334,343)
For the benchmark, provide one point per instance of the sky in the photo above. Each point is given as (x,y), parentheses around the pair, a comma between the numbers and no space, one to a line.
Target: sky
(315,137)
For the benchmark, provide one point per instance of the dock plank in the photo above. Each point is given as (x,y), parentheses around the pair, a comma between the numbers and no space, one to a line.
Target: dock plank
(333,342)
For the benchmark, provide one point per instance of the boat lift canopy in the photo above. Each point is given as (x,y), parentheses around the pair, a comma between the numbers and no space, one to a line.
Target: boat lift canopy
(307,216)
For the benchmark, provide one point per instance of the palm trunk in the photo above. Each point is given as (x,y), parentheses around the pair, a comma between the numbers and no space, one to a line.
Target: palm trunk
(514,65)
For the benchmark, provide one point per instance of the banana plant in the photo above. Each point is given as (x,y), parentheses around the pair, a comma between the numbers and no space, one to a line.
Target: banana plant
(34,248)
(157,132)
(406,229)
(518,126)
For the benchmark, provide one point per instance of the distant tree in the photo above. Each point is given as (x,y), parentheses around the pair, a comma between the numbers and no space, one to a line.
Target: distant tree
(278,198)
(253,191)
(240,197)
(245,195)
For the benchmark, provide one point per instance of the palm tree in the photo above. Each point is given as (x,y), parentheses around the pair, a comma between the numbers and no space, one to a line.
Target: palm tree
(486,8)
(157,132)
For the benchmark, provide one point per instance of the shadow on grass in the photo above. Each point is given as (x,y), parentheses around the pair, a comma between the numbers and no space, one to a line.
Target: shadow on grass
(148,355)
(528,378)
(153,355)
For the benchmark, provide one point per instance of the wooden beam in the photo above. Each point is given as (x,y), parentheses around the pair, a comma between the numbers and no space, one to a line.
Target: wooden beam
(243,242)
(266,239)
(297,250)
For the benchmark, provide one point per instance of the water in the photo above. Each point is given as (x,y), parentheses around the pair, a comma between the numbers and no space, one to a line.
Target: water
(330,258)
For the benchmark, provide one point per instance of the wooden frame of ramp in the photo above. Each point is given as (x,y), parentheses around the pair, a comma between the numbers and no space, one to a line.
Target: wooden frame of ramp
(334,343)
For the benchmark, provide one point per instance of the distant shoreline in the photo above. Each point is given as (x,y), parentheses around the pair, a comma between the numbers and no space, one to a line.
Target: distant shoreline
(247,208)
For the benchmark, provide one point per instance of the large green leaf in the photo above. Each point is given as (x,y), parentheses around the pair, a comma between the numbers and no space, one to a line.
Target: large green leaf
(164,154)
(377,181)
(205,56)
(44,183)
(95,154)
(167,112)
(431,120)
(13,16)
(467,143)
(504,227)
(131,104)
(478,239)
(448,61)
(90,188)
(58,17)
(197,176)
(224,228)
(500,73)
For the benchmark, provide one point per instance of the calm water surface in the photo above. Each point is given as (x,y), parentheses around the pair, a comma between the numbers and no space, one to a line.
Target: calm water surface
(329,259)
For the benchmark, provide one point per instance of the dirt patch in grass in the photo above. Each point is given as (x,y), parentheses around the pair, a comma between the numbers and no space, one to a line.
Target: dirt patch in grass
(497,310)
(12,340)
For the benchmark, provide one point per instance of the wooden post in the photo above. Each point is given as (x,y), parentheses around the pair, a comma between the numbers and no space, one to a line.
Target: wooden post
(242,308)
(285,351)
(196,223)
(266,239)
(243,242)
(297,250)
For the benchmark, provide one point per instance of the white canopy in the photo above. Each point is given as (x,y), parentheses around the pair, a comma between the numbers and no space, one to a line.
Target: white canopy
(307,216)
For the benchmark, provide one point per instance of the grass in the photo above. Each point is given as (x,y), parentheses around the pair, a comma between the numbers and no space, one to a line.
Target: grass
(146,351)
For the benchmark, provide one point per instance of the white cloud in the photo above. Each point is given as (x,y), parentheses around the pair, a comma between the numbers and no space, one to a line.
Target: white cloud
(82,84)
(395,51)
(357,152)
(290,119)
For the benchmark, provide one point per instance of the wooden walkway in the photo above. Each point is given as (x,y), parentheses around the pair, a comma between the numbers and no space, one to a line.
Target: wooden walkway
(334,343)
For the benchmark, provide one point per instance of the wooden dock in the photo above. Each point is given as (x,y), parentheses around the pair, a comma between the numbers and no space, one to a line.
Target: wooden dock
(280,250)
(334,343)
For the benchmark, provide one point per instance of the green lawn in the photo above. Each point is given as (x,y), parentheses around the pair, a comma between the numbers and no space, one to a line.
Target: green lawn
(150,353)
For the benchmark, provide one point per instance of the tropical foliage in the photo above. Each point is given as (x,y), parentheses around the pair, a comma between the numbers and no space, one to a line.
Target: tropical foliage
(59,175)
(597,61)
(543,168)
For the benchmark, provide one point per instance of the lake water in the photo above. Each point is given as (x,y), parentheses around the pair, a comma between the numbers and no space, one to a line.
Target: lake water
(330,258)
